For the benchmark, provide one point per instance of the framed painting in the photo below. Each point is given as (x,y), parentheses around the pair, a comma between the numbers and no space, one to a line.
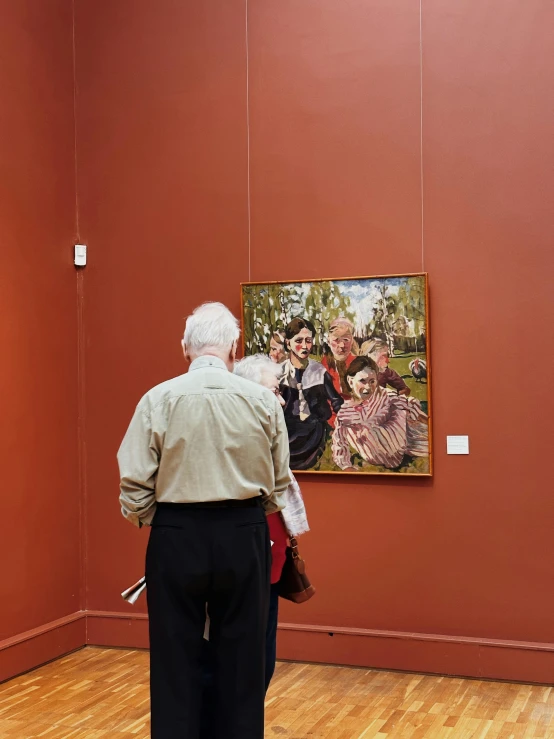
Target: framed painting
(355,379)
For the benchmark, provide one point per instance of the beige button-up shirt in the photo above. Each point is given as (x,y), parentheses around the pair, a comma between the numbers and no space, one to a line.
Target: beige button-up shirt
(207,435)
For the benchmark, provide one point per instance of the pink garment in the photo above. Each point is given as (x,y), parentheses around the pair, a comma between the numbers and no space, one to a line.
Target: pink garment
(381,429)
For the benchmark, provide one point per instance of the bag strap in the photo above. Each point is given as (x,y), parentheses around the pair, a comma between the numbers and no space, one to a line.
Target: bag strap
(298,562)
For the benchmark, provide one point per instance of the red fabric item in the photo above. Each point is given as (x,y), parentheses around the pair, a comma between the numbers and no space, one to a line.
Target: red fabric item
(279,537)
(336,381)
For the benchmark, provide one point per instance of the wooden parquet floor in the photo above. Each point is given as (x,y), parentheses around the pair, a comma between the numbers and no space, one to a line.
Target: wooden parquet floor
(103,693)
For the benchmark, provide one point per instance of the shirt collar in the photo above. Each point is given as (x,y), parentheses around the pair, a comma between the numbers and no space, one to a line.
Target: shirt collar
(207,361)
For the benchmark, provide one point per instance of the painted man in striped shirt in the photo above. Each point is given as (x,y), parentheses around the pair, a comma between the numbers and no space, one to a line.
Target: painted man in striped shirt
(380,425)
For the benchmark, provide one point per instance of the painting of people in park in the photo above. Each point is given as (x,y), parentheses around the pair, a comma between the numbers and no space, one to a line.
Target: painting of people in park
(355,369)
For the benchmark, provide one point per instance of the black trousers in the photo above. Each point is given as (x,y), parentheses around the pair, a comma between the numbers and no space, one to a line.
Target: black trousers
(219,556)
(209,711)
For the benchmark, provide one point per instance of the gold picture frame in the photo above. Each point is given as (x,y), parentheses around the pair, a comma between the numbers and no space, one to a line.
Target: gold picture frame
(382,424)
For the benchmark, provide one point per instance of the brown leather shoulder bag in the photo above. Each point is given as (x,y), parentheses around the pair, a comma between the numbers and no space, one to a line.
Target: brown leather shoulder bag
(294,584)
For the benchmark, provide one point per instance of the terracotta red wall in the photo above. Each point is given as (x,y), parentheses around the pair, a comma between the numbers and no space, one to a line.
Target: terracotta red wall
(339,165)
(164,213)
(39,541)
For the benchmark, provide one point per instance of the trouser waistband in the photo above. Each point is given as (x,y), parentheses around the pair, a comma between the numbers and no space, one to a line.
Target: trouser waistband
(247,503)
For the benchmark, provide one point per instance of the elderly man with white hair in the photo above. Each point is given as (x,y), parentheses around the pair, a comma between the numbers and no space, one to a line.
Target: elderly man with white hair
(204,459)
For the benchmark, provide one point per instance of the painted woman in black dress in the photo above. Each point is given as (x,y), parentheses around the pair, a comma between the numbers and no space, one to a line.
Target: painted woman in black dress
(310,397)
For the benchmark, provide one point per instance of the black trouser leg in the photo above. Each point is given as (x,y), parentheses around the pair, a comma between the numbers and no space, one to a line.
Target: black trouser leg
(209,713)
(271,635)
(177,612)
(238,607)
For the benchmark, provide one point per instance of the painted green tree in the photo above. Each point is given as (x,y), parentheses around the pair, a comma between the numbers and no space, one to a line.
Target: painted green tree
(271,307)
(411,302)
(324,303)
(268,308)
(384,312)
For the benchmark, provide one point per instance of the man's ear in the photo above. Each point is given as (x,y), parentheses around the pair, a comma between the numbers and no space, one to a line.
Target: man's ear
(185,350)
(233,352)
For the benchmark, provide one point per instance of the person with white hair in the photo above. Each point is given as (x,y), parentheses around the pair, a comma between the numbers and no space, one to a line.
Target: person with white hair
(291,521)
(203,461)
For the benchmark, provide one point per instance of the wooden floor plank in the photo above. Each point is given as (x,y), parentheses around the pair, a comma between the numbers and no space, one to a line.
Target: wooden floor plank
(103,694)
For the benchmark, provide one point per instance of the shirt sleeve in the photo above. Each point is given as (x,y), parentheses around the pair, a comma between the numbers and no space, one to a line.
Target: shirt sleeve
(335,398)
(138,458)
(340,447)
(395,381)
(281,458)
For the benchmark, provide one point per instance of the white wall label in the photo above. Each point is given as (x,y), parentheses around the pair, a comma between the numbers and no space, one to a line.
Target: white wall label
(80,259)
(457,444)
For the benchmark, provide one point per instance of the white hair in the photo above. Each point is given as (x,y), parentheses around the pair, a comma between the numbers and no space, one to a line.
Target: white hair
(257,367)
(211,326)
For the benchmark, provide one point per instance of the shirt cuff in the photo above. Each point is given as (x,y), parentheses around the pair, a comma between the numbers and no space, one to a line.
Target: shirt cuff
(146,520)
